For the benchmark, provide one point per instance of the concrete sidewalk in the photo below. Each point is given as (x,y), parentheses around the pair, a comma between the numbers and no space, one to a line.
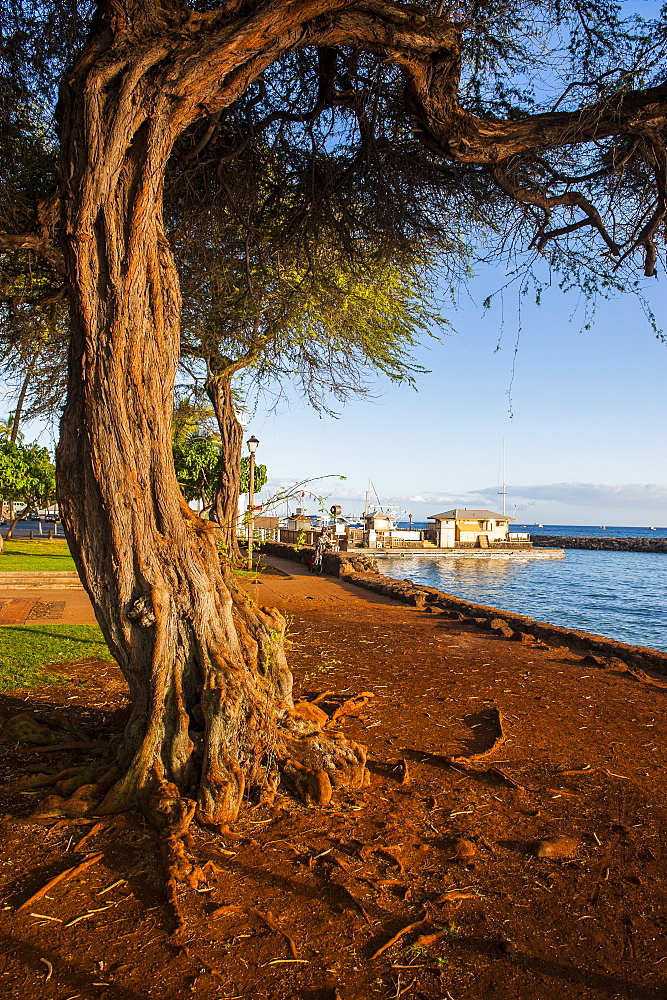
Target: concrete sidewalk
(71,606)
(67,607)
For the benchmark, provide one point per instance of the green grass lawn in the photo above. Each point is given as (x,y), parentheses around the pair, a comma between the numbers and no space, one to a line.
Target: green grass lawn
(22,554)
(26,649)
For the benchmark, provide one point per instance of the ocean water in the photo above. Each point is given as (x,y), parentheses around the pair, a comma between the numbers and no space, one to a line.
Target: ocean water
(590,531)
(622,595)
(571,530)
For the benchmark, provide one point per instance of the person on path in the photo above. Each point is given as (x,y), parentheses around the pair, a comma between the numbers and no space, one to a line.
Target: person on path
(321,547)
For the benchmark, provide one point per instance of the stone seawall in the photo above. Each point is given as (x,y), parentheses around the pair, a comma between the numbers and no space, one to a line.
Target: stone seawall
(362,570)
(611,544)
(342,564)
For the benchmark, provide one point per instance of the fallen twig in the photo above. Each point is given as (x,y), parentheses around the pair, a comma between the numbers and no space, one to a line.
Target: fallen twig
(113,885)
(63,876)
(91,833)
(288,961)
(89,913)
(586,769)
(270,922)
(397,937)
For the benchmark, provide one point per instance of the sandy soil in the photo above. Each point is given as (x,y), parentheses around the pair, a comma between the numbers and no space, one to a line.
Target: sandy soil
(441,854)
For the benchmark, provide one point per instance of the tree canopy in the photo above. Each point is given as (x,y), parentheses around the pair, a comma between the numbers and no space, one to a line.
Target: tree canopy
(553,110)
(27,474)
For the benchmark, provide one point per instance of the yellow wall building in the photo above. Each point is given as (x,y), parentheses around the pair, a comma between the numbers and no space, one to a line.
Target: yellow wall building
(462,526)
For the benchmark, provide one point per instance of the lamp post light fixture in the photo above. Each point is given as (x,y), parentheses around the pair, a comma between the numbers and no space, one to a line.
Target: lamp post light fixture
(252,444)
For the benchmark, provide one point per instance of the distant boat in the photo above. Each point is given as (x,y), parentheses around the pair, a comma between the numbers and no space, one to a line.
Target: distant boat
(536,524)
(652,528)
(603,527)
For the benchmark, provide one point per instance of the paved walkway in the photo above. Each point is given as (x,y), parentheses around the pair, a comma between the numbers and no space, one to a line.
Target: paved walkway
(299,585)
(18,607)
(68,607)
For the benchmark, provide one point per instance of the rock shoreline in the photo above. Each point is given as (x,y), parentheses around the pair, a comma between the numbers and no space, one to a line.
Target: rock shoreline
(610,544)
(362,571)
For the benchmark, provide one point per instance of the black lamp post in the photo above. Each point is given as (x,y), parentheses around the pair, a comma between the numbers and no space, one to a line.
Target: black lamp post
(252,444)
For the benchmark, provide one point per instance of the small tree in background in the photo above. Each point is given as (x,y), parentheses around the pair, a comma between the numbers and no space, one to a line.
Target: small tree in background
(198,457)
(261,477)
(27,475)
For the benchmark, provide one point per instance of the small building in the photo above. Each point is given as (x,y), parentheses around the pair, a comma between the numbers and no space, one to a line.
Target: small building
(469,528)
(301,520)
(380,532)
(264,523)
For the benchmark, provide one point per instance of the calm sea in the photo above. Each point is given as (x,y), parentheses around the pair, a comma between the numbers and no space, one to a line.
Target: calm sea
(622,595)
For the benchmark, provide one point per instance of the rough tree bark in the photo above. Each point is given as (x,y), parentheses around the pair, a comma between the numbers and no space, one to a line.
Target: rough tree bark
(210,689)
(212,716)
(226,493)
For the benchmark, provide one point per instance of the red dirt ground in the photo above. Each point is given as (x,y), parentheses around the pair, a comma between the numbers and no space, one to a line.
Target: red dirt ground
(307,898)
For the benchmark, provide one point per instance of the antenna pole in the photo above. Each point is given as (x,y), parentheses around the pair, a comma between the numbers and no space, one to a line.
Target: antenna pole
(503,492)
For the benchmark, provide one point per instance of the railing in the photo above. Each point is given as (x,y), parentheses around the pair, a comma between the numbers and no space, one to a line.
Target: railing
(259,534)
(520,544)
(355,536)
(303,537)
(402,543)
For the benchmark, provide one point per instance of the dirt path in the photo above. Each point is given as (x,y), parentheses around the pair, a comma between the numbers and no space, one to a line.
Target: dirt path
(301,903)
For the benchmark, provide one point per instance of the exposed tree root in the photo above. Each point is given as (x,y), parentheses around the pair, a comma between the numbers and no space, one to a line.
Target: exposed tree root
(353,706)
(172,815)
(268,919)
(306,759)
(496,717)
(62,877)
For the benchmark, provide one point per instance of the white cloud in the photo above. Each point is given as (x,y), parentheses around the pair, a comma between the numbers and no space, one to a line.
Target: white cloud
(620,495)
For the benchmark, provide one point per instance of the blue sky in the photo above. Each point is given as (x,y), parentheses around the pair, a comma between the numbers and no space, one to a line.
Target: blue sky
(584,431)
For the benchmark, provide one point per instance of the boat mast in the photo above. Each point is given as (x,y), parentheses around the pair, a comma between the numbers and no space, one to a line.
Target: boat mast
(503,492)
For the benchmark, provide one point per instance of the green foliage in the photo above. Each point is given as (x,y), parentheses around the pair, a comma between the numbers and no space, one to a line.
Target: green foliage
(26,649)
(261,476)
(27,474)
(193,417)
(7,429)
(197,455)
(197,462)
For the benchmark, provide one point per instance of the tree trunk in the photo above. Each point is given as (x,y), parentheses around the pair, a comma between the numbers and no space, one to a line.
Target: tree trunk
(22,394)
(226,493)
(212,716)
